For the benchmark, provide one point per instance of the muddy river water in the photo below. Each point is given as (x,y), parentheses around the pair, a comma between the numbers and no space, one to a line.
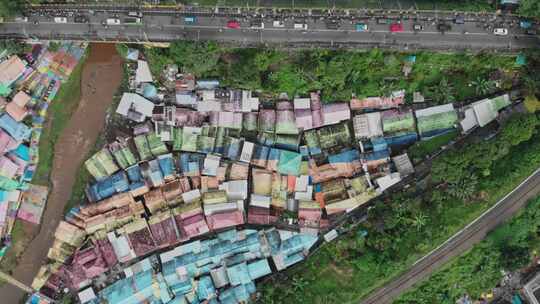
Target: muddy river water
(102,75)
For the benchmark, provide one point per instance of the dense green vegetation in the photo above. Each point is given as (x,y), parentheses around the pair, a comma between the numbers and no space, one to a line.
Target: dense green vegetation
(425,147)
(9,8)
(529,8)
(407,225)
(338,73)
(509,247)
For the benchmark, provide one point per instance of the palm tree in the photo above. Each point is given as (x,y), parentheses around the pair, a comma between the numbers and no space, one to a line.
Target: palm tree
(464,188)
(482,86)
(419,221)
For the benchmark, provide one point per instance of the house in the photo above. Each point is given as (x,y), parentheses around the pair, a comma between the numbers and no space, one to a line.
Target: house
(15,129)
(17,107)
(11,70)
(403,164)
(101,164)
(143,73)
(379,103)
(135,107)
(436,120)
(367,125)
(7,143)
(335,112)
(485,111)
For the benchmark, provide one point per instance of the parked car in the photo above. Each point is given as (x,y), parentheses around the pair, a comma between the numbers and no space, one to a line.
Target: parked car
(459,19)
(257,24)
(500,31)
(382,21)
(80,19)
(21,19)
(190,19)
(233,24)
(112,21)
(278,23)
(525,24)
(396,27)
(300,26)
(60,19)
(332,24)
(418,27)
(530,32)
(361,27)
(444,27)
(135,14)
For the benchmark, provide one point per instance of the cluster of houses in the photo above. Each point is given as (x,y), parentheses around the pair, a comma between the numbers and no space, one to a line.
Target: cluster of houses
(216,188)
(28,84)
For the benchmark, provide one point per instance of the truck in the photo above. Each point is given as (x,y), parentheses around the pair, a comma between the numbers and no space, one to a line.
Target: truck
(278,23)
(190,19)
(132,20)
(112,21)
(60,19)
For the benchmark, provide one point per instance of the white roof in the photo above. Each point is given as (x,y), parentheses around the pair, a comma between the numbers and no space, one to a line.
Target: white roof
(484,112)
(387,181)
(304,195)
(368,125)
(302,103)
(301,183)
(210,209)
(211,164)
(209,105)
(87,295)
(262,201)
(137,103)
(143,72)
(247,151)
(469,121)
(434,110)
(237,189)
(191,196)
(330,235)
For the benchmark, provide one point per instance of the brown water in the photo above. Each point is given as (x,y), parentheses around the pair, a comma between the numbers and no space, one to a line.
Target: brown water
(102,75)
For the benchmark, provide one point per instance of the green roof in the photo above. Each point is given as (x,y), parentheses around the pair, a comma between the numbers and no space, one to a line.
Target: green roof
(101,164)
(142,147)
(157,147)
(437,121)
(289,163)
(177,139)
(124,157)
(402,122)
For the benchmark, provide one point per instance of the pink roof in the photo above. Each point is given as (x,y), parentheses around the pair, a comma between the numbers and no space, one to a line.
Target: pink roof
(226,219)
(3,212)
(303,119)
(7,167)
(376,103)
(21,99)
(7,143)
(335,112)
(11,69)
(164,232)
(15,111)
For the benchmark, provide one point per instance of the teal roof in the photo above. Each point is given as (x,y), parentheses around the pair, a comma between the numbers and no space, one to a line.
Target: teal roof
(289,163)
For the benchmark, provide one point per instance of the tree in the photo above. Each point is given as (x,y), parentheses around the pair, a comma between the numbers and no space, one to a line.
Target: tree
(195,57)
(54,46)
(10,8)
(482,86)
(443,92)
(464,188)
(529,8)
(519,129)
(419,221)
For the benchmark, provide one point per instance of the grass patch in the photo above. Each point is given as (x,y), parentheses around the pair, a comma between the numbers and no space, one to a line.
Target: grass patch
(424,148)
(20,239)
(58,116)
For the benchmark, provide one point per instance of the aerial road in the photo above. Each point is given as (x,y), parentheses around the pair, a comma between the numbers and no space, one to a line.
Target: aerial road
(396,31)
(473,233)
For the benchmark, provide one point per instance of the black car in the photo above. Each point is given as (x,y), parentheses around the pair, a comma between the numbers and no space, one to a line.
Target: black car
(531,32)
(80,19)
(444,27)
(332,24)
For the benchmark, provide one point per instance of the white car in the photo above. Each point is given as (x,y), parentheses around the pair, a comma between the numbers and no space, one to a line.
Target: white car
(113,21)
(278,23)
(300,26)
(21,19)
(60,19)
(500,31)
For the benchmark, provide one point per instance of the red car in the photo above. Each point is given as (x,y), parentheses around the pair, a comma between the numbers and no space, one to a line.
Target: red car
(233,24)
(396,27)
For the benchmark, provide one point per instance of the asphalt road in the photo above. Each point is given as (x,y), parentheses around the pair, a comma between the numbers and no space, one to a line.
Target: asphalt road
(475,34)
(460,242)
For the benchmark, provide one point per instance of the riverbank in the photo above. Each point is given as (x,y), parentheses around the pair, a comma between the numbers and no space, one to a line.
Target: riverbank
(101,76)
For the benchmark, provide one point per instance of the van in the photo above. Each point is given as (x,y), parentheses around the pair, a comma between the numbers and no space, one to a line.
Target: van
(278,23)
(60,19)
(300,26)
(113,21)
(135,14)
